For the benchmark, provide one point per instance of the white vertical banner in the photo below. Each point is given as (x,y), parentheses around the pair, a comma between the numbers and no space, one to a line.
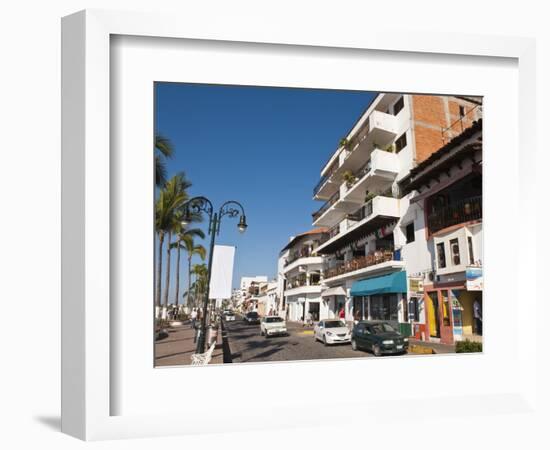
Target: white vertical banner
(222,272)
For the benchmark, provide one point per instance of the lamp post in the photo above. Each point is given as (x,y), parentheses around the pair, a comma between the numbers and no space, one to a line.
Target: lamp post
(230,209)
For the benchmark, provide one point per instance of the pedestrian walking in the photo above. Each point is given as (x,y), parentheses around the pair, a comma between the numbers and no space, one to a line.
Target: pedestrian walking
(478,318)
(193,318)
(342,313)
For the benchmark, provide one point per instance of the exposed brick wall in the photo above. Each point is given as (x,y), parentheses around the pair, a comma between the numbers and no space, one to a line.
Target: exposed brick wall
(436,120)
(427,141)
(429,109)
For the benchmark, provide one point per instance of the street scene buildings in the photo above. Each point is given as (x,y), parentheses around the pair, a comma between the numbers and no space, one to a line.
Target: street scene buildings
(399,233)
(396,242)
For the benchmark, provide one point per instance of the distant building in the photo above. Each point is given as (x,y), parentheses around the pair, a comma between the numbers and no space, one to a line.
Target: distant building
(302,273)
(249,292)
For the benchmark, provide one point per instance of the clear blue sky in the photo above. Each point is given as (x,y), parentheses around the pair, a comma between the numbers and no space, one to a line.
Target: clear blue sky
(264,147)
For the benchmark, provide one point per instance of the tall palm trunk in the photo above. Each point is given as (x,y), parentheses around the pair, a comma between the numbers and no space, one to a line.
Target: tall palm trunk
(159,269)
(167,279)
(189,303)
(176,300)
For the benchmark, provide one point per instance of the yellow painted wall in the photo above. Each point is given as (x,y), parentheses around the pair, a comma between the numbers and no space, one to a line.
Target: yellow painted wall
(466,299)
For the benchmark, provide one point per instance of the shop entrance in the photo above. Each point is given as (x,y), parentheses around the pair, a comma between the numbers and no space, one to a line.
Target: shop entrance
(432,304)
(314,311)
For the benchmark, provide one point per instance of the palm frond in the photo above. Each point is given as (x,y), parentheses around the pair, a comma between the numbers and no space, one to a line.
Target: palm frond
(164,146)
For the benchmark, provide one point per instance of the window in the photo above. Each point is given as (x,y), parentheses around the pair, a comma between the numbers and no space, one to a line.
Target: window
(399,104)
(461,111)
(401,142)
(441,263)
(455,252)
(409,232)
(414,312)
(471,249)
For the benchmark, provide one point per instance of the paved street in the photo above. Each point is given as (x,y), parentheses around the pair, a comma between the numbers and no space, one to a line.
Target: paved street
(248,346)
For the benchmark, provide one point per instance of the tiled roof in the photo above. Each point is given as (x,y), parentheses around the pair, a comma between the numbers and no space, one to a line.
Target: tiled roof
(319,230)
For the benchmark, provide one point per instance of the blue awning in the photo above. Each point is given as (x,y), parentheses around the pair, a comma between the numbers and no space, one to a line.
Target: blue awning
(385,284)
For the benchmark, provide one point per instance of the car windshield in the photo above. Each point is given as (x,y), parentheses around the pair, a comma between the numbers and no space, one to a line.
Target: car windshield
(252,314)
(273,319)
(382,328)
(228,313)
(334,324)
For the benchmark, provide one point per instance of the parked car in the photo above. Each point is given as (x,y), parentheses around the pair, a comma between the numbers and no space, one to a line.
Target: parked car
(273,326)
(379,337)
(332,331)
(252,317)
(228,315)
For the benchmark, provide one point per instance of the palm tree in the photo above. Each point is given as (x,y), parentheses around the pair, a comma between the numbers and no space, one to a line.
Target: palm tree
(201,278)
(185,240)
(163,149)
(167,210)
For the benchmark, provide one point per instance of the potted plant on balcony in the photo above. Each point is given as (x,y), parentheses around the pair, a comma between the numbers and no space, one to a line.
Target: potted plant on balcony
(344,142)
(390,148)
(369,196)
(349,178)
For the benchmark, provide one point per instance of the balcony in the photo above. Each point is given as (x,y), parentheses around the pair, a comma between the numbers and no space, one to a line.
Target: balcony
(302,261)
(326,187)
(466,210)
(377,212)
(326,206)
(375,261)
(376,176)
(380,132)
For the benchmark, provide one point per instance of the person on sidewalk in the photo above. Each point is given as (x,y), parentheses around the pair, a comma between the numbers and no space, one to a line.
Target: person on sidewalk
(342,313)
(478,318)
(193,318)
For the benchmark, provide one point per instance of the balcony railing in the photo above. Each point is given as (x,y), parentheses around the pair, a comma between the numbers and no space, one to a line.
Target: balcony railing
(459,212)
(305,252)
(376,257)
(324,179)
(331,201)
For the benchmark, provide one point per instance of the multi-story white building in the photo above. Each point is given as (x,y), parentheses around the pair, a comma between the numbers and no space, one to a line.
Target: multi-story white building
(302,272)
(375,234)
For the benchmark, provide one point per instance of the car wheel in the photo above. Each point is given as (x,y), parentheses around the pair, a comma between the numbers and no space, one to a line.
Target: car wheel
(325,341)
(376,350)
(261,333)
(354,345)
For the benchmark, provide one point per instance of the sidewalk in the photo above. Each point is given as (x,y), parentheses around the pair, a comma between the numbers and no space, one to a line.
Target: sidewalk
(177,348)
(435,347)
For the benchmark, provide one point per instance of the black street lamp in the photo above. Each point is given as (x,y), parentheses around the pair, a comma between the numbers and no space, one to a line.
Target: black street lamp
(231,209)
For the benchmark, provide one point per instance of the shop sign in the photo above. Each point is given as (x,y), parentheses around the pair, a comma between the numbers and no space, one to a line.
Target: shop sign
(474,278)
(416,285)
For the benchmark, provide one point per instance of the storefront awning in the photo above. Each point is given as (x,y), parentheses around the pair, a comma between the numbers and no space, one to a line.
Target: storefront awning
(385,284)
(338,290)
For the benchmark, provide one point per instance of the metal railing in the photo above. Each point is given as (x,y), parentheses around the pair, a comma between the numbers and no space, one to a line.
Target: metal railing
(376,257)
(456,213)
(325,178)
(331,201)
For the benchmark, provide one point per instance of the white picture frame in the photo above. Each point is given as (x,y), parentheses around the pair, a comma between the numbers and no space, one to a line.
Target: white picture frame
(87,316)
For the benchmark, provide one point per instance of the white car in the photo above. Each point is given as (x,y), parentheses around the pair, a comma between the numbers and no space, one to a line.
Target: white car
(229,315)
(273,326)
(332,331)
